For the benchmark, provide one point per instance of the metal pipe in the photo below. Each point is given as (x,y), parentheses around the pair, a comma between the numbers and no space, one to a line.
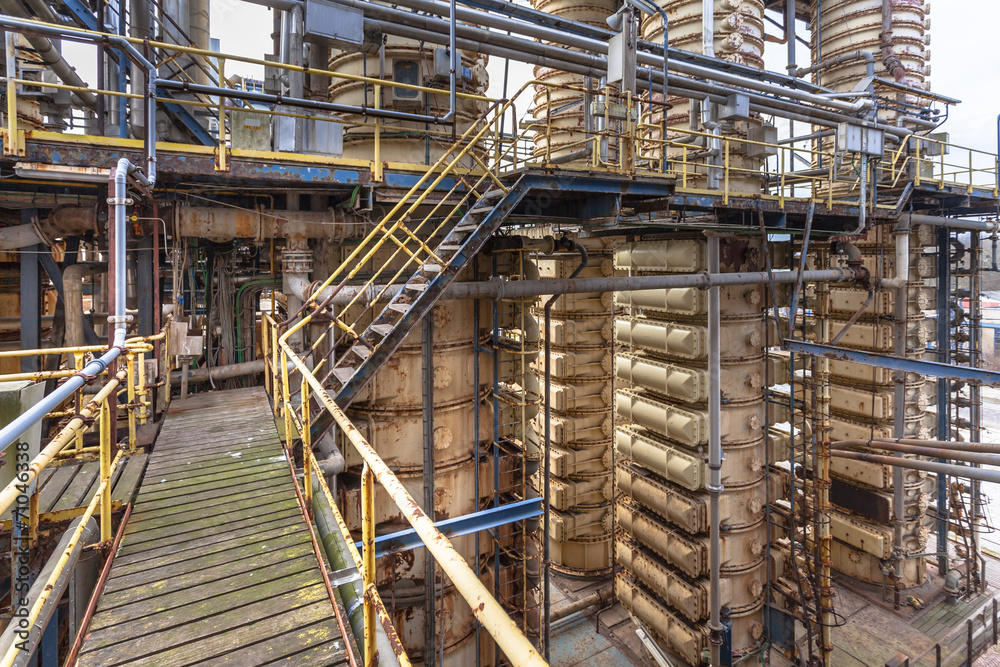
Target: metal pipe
(790,35)
(967,472)
(27,640)
(940,453)
(351,592)
(73,301)
(890,60)
(714,485)
(601,597)
(120,319)
(982,447)
(951,223)
(867,56)
(546,456)
(510,289)
(220,372)
(902,237)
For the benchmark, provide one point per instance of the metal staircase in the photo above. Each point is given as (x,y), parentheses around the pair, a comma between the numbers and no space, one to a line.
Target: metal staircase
(376,343)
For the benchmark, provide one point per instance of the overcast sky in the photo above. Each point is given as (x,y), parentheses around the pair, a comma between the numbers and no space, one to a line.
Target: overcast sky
(965,59)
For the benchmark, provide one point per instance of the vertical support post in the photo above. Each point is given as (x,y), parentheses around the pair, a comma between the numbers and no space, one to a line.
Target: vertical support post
(306,445)
(78,401)
(430,567)
(105,447)
(943,387)
(113,243)
(378,136)
(31,317)
(823,427)
(11,147)
(286,408)
(714,486)
(968,643)
(994,620)
(131,408)
(368,559)
(33,517)
(221,164)
(265,332)
(143,393)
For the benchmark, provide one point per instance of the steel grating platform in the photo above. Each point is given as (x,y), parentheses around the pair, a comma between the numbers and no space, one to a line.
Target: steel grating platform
(216,565)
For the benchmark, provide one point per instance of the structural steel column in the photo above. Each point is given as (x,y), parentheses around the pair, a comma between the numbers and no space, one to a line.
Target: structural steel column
(31,298)
(144,285)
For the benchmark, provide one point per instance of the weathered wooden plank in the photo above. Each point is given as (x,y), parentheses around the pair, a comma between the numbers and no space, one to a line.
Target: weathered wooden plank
(170,529)
(80,487)
(125,487)
(165,546)
(329,654)
(55,486)
(215,458)
(212,544)
(233,465)
(160,489)
(303,583)
(276,636)
(146,595)
(206,561)
(219,499)
(216,445)
(109,614)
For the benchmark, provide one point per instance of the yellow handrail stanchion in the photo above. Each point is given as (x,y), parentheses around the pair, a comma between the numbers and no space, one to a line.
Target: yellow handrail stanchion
(130,364)
(306,445)
(221,164)
(105,427)
(368,556)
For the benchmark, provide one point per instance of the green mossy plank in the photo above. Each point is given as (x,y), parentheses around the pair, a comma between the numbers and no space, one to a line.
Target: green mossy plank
(80,488)
(157,489)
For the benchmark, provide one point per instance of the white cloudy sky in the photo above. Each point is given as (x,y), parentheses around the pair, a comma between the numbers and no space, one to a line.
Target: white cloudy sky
(965,59)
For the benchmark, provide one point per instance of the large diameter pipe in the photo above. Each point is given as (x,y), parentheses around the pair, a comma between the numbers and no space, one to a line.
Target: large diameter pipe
(18,426)
(950,223)
(967,472)
(27,639)
(514,289)
(981,447)
(73,301)
(220,372)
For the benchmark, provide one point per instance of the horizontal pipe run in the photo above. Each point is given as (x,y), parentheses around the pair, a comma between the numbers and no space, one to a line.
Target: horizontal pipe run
(982,458)
(980,447)
(511,289)
(968,472)
(601,597)
(221,372)
(950,223)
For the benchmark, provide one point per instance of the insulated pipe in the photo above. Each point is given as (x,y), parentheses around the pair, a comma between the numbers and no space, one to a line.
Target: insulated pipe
(790,35)
(548,436)
(890,60)
(950,223)
(14,635)
(220,372)
(601,597)
(351,592)
(967,472)
(50,55)
(714,485)
(510,289)
(73,299)
(18,426)
(982,447)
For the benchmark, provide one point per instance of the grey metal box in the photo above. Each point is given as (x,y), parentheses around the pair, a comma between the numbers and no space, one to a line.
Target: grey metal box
(737,107)
(250,130)
(343,27)
(857,139)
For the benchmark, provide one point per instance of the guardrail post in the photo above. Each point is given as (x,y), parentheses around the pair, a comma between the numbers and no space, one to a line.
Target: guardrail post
(378,135)
(78,401)
(286,403)
(221,163)
(917,162)
(105,435)
(368,557)
(937,655)
(968,642)
(725,191)
(306,445)
(994,620)
(33,517)
(130,364)
(264,333)
(143,391)
(11,145)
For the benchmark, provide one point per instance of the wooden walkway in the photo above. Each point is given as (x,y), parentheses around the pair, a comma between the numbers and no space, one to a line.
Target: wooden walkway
(216,566)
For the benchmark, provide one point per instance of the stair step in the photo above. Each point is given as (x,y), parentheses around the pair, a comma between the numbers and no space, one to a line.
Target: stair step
(382,330)
(361,351)
(492,194)
(399,307)
(449,247)
(430,267)
(416,287)
(344,374)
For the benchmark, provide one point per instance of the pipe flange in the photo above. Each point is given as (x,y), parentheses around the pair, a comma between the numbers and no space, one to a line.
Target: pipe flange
(297,261)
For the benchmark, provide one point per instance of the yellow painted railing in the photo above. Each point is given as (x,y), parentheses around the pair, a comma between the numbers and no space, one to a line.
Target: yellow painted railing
(298,421)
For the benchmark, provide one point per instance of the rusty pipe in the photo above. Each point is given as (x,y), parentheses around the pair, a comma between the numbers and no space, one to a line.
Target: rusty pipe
(980,447)
(967,472)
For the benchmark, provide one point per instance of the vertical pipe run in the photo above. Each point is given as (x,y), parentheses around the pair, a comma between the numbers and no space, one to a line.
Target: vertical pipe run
(790,37)
(368,559)
(943,388)
(428,433)
(902,238)
(714,449)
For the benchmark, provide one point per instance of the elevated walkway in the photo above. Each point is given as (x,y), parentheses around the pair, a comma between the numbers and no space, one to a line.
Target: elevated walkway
(216,565)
